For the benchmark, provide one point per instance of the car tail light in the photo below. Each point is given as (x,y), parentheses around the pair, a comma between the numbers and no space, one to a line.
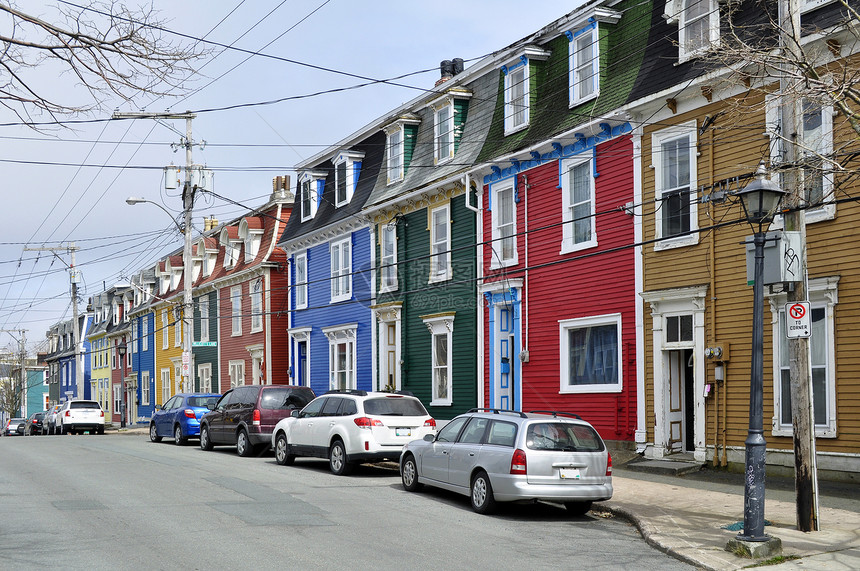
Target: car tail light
(608,464)
(518,462)
(67,413)
(189,413)
(256,418)
(431,423)
(365,422)
(102,413)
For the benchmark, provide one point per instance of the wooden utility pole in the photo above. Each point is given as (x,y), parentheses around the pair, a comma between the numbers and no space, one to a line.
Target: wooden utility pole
(71,248)
(802,418)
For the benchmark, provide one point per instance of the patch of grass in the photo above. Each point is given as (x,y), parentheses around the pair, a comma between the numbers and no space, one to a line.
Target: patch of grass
(774,561)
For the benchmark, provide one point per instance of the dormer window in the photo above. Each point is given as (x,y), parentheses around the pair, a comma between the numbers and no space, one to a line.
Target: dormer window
(698,25)
(231,242)
(517,92)
(115,313)
(449,116)
(584,57)
(251,233)
(207,248)
(311,185)
(126,309)
(347,166)
(400,144)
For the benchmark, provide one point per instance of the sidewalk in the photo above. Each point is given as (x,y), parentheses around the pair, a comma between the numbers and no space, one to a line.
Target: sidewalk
(683,517)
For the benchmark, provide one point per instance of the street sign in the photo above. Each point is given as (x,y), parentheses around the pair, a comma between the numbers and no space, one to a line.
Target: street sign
(204,344)
(797,323)
(186,363)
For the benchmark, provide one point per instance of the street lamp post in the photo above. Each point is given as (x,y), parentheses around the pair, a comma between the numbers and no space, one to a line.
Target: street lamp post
(760,200)
(121,349)
(187,307)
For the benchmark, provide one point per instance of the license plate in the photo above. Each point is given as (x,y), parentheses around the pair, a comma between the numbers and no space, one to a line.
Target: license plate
(403,431)
(569,473)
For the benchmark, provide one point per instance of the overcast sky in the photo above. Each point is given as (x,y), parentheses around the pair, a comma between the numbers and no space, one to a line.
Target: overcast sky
(50,199)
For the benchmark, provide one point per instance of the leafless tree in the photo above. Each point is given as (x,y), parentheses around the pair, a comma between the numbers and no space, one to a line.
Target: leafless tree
(106,48)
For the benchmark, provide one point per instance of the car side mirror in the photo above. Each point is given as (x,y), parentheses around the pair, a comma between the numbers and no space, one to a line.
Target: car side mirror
(211,406)
(158,407)
(430,437)
(295,413)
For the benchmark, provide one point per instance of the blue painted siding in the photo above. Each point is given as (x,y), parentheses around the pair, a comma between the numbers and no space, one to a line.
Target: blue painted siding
(144,361)
(321,313)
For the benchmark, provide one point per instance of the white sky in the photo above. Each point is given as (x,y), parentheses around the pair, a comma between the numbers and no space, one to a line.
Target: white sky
(49,204)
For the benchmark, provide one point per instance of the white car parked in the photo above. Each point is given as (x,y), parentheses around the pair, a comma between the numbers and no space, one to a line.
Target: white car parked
(79,416)
(349,427)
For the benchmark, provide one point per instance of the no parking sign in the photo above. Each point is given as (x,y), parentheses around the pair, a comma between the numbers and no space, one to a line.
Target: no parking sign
(797,319)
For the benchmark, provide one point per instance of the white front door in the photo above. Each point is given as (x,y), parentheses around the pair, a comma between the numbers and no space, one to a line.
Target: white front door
(679,386)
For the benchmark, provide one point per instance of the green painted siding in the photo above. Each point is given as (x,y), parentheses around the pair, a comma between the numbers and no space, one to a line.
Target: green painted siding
(204,355)
(420,298)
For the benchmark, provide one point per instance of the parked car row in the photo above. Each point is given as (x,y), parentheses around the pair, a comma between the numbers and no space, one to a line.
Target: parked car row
(489,455)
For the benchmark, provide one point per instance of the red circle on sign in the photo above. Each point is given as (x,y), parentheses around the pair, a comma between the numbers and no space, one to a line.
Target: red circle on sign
(797,311)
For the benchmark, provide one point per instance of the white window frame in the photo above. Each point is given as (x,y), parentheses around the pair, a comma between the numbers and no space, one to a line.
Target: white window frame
(236,310)
(440,248)
(773,112)
(256,295)
(713,29)
(822,294)
(342,337)
(203,308)
(165,385)
(578,64)
(441,326)
(117,399)
(301,285)
(340,253)
(165,329)
(135,336)
(388,257)
(310,191)
(144,333)
(497,249)
(204,373)
(443,131)
(516,93)
(177,327)
(565,326)
(685,130)
(568,241)
(347,161)
(395,142)
(144,388)
(810,5)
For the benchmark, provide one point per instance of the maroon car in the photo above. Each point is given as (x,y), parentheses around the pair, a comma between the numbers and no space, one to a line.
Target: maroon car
(245,416)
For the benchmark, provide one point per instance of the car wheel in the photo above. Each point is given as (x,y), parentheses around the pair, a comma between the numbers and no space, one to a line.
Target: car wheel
(337,459)
(205,443)
(178,439)
(100,430)
(153,434)
(282,451)
(409,475)
(577,509)
(483,501)
(243,444)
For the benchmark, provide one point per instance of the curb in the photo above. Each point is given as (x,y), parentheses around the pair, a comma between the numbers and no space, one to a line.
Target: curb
(648,534)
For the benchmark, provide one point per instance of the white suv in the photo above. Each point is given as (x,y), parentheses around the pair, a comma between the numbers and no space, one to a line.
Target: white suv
(79,415)
(349,427)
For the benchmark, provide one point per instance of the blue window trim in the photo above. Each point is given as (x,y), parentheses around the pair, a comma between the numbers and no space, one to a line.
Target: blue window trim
(592,24)
(559,151)
(524,60)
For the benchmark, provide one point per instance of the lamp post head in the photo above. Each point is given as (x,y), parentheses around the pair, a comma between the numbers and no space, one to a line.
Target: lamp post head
(760,198)
(132,200)
(122,348)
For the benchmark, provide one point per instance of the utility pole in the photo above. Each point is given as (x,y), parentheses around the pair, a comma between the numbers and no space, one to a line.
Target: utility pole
(188,190)
(803,421)
(71,248)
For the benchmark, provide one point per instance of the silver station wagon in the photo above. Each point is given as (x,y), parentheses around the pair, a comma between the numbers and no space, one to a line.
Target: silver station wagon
(494,456)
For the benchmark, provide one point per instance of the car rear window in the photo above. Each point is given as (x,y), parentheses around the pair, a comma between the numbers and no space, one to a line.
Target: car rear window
(286,398)
(394,406)
(84,404)
(565,436)
(202,402)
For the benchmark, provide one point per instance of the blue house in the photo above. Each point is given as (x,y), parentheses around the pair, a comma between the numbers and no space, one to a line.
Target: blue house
(70,386)
(328,245)
(141,349)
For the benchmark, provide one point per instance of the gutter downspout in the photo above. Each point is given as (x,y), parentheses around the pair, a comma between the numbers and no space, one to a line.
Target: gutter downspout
(480,388)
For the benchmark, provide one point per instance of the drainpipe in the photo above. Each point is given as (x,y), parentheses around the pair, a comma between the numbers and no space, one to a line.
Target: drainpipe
(479,266)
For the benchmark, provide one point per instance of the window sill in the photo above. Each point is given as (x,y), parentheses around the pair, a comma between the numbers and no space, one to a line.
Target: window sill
(495,265)
(236,334)
(820,214)
(517,129)
(303,306)
(388,289)
(577,102)
(569,248)
(256,330)
(586,389)
(340,298)
(446,402)
(671,243)
(819,432)
(437,279)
